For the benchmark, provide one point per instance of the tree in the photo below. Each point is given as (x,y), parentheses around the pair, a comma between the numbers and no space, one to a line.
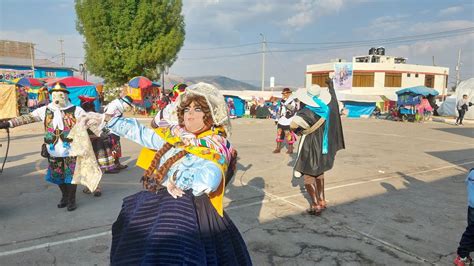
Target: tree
(129,38)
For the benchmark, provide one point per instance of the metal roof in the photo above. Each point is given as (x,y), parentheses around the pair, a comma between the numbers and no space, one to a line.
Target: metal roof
(25,62)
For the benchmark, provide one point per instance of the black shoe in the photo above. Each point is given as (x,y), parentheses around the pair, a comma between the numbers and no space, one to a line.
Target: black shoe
(71,207)
(113,171)
(62,203)
(121,166)
(97,192)
(71,197)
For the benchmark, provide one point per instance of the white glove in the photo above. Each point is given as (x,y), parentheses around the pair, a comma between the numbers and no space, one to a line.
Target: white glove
(93,121)
(172,189)
(114,108)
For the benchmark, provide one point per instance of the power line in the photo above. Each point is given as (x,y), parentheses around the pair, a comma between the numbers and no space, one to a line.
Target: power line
(222,56)
(381,39)
(353,44)
(335,47)
(221,47)
(279,63)
(43,52)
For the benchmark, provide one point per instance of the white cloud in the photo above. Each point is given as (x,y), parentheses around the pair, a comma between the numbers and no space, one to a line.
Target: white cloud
(450,10)
(222,18)
(380,26)
(307,11)
(439,26)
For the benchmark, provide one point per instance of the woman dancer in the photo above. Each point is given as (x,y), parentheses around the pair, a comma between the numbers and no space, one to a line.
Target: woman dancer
(179,218)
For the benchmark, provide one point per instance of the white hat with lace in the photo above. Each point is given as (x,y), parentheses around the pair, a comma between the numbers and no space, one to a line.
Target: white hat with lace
(215,100)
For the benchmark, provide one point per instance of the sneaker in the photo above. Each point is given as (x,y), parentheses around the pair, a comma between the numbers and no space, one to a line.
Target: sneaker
(462,261)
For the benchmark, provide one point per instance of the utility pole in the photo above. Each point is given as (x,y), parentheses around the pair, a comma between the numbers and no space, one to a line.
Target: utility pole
(32,59)
(264,44)
(458,69)
(163,79)
(61,41)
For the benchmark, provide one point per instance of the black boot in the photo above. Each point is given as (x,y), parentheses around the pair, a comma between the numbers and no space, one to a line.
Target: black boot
(63,202)
(290,149)
(71,197)
(278,148)
(118,165)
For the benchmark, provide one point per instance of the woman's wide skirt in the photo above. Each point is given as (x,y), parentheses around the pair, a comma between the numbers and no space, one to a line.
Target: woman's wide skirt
(156,229)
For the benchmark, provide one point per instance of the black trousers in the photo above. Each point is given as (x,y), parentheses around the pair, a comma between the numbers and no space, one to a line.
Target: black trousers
(461,116)
(466,245)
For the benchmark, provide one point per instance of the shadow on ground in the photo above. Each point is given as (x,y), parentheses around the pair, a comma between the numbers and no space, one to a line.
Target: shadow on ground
(461,131)
(406,223)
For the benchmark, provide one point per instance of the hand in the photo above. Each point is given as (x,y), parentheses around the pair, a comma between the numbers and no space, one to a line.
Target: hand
(174,190)
(4,124)
(107,117)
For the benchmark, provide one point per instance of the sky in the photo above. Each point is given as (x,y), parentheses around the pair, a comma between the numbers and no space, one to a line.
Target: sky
(223,37)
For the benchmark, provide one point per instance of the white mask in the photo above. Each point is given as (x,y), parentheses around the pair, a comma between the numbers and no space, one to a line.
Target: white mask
(60,99)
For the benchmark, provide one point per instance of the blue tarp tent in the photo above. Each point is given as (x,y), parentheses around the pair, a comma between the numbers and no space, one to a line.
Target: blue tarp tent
(77,87)
(356,109)
(413,95)
(419,90)
(239,104)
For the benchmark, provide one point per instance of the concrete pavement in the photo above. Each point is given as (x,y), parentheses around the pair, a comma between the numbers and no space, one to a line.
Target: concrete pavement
(396,197)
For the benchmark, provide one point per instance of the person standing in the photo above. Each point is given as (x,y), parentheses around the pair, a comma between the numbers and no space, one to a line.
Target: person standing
(286,113)
(462,106)
(231,107)
(147,103)
(274,111)
(116,108)
(167,115)
(466,244)
(319,124)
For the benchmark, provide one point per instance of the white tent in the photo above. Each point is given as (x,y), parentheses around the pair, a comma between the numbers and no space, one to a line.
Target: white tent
(448,107)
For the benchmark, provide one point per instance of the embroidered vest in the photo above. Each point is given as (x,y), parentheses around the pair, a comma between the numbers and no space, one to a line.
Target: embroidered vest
(54,134)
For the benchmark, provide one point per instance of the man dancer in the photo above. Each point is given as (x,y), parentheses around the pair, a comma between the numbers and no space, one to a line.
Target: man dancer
(287,111)
(58,117)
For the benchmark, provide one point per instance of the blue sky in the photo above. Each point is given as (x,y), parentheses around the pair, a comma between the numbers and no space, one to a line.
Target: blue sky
(212,24)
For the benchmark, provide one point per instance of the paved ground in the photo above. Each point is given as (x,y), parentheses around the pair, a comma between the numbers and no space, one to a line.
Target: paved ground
(396,197)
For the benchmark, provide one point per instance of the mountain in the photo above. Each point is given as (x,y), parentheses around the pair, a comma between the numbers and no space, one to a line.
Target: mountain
(221,82)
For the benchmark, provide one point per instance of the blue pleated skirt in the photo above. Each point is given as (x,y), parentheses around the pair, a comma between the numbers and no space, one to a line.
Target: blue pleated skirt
(156,229)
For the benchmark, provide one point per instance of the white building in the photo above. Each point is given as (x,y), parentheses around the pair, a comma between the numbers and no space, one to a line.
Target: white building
(378,74)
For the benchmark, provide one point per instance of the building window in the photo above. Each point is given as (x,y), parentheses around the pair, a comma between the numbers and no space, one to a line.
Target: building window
(393,79)
(429,81)
(416,75)
(319,79)
(363,79)
(50,74)
(408,75)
